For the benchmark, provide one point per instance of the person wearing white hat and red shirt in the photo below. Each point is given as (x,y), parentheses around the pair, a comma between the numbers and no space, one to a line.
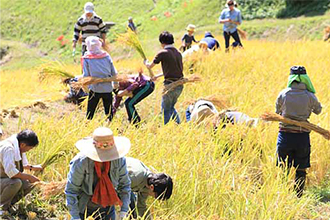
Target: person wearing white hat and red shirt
(89,24)
(98,178)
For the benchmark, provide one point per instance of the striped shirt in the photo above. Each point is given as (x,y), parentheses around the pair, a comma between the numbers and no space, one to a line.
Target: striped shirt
(88,27)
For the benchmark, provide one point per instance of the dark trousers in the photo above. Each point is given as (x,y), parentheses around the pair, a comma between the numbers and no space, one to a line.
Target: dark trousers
(138,95)
(107,213)
(235,36)
(93,100)
(83,50)
(293,149)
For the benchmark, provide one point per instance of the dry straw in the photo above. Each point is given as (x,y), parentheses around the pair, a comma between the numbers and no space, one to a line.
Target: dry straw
(242,33)
(131,39)
(54,69)
(86,81)
(173,85)
(275,117)
(51,188)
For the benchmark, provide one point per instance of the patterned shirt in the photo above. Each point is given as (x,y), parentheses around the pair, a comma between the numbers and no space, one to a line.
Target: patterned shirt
(88,27)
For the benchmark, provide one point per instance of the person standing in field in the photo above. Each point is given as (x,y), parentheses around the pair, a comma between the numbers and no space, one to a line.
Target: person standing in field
(230,18)
(14,183)
(131,25)
(171,60)
(137,88)
(89,24)
(296,102)
(98,177)
(188,37)
(144,183)
(98,63)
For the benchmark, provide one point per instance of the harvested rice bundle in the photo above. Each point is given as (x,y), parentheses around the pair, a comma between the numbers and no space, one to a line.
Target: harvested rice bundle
(242,33)
(190,79)
(276,117)
(85,81)
(51,158)
(130,38)
(54,69)
(51,188)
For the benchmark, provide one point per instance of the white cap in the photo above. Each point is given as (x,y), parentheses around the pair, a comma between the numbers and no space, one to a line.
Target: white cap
(89,7)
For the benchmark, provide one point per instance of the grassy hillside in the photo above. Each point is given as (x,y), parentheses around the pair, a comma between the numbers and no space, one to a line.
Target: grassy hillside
(40,23)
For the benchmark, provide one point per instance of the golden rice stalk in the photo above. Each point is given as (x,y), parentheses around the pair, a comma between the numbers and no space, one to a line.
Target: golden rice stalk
(276,117)
(54,69)
(242,33)
(51,158)
(190,79)
(326,33)
(86,81)
(131,39)
(51,188)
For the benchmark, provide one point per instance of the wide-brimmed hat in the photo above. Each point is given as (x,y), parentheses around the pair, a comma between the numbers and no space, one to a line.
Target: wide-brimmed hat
(89,7)
(103,145)
(191,27)
(201,113)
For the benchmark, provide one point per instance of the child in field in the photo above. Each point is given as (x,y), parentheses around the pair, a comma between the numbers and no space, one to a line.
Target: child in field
(171,60)
(296,102)
(137,87)
(188,38)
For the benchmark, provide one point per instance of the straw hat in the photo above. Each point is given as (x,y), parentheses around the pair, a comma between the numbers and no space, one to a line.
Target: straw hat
(201,113)
(103,146)
(191,27)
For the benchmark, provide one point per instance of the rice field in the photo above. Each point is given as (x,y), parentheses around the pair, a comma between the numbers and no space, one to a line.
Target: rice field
(209,183)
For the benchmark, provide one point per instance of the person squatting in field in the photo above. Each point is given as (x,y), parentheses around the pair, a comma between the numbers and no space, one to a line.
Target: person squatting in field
(89,24)
(14,183)
(230,18)
(296,102)
(98,177)
(98,63)
(137,87)
(171,60)
(145,183)
(212,43)
(75,96)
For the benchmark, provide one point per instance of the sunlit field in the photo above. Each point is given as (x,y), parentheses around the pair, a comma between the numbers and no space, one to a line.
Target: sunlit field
(209,183)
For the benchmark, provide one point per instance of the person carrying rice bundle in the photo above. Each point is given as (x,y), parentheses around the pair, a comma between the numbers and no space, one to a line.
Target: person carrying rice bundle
(230,18)
(296,102)
(171,60)
(13,162)
(98,177)
(137,87)
(75,96)
(145,183)
(89,24)
(98,63)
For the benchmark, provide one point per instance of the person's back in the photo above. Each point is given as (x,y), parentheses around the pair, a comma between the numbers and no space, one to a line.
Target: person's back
(297,103)
(212,43)
(171,60)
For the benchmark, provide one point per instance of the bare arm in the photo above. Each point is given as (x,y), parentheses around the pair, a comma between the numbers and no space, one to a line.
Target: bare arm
(24,176)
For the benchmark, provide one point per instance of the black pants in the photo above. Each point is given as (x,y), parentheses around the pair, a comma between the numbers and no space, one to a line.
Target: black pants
(235,36)
(93,100)
(83,50)
(138,95)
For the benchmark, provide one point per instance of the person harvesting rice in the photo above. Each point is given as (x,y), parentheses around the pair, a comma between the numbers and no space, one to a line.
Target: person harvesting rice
(98,63)
(296,102)
(13,161)
(98,178)
(230,18)
(137,87)
(171,60)
(144,183)
(89,24)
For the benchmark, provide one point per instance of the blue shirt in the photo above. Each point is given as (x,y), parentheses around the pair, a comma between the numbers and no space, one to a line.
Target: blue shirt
(101,68)
(234,15)
(79,188)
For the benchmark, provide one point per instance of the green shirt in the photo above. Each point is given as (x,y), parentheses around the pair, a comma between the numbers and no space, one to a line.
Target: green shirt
(138,173)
